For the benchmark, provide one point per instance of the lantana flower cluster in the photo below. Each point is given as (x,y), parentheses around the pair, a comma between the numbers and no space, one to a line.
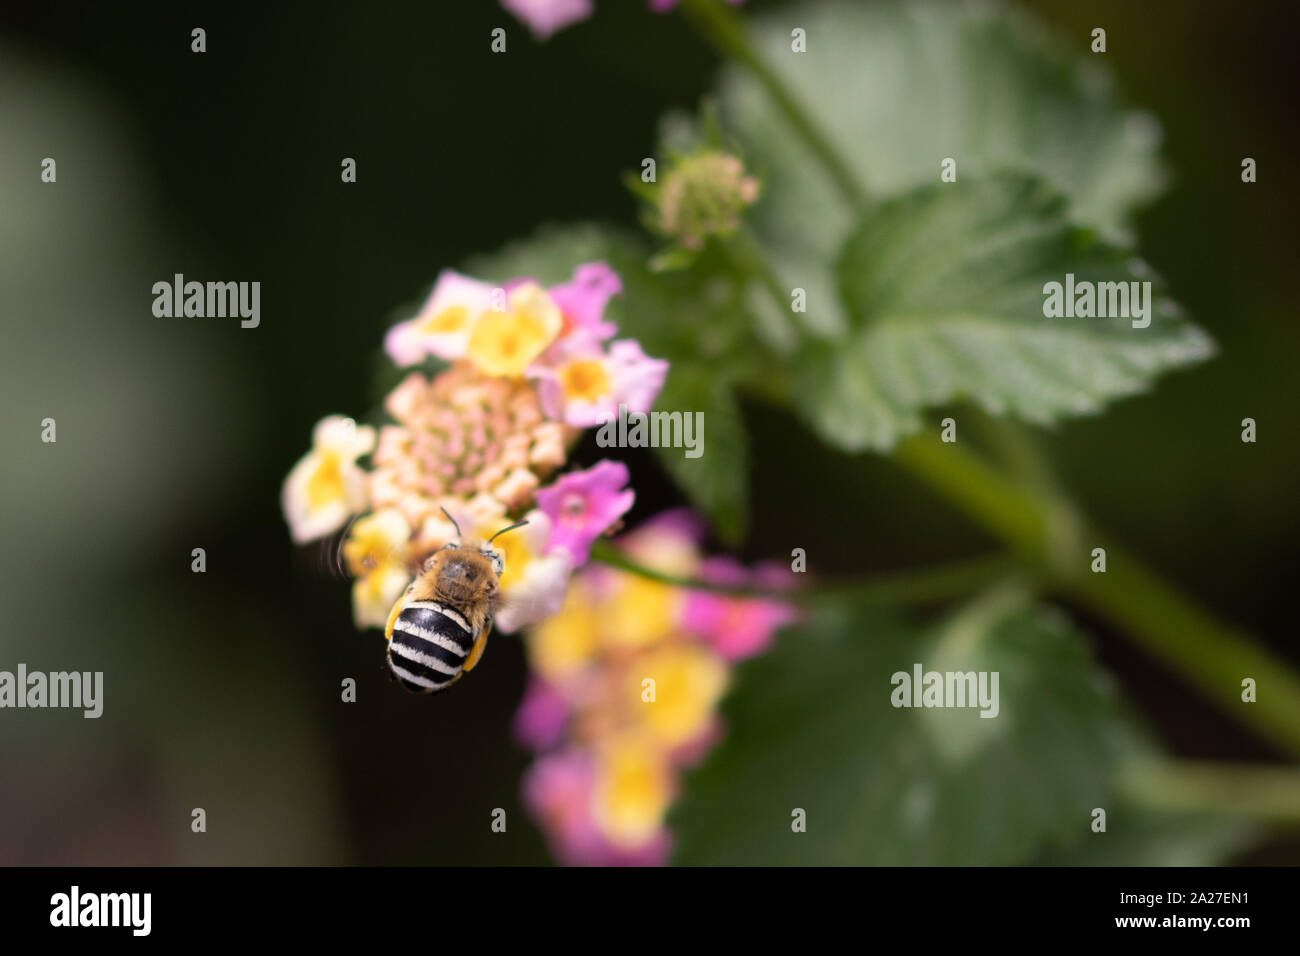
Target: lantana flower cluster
(527,368)
(624,686)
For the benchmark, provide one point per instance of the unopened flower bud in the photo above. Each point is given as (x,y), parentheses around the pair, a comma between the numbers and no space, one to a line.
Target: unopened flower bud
(702,196)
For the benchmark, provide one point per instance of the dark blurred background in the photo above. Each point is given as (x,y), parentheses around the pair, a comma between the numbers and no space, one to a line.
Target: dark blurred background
(222,689)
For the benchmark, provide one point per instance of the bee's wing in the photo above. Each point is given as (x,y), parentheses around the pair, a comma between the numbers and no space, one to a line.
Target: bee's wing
(331,560)
(519,611)
(324,558)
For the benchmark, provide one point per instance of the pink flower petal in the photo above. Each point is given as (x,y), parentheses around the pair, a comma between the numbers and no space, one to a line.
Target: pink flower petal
(583,505)
(584,297)
(541,717)
(545,17)
(736,627)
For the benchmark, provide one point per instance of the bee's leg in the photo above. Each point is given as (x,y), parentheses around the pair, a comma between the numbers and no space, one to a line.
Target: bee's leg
(477,650)
(392,617)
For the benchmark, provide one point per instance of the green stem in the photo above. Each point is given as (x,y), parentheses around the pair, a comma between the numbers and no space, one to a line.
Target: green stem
(724,30)
(903,587)
(747,255)
(1266,793)
(1211,655)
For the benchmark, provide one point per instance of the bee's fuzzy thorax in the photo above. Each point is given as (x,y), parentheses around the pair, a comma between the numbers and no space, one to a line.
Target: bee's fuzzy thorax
(462,578)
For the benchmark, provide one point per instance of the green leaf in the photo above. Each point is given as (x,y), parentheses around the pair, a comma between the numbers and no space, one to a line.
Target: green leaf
(1140,837)
(897,88)
(943,288)
(811,725)
(696,318)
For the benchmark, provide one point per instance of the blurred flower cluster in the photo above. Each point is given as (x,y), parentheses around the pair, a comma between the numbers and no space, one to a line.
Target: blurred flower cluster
(526,369)
(624,686)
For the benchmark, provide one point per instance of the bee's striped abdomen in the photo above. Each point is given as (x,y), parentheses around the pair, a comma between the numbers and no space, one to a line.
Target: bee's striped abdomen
(429,645)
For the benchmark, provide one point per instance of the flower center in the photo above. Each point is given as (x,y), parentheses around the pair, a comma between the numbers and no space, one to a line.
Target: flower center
(585,379)
(454,318)
(503,343)
(574,507)
(326,483)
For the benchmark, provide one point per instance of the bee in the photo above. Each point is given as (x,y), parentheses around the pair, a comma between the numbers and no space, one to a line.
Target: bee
(439,627)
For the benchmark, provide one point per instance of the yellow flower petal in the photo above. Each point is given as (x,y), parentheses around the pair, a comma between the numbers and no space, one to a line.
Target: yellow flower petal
(633,789)
(321,492)
(377,540)
(326,482)
(454,318)
(689,681)
(374,594)
(641,613)
(565,642)
(505,343)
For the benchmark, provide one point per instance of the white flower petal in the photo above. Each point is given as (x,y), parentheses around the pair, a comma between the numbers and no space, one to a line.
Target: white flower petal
(343,436)
(409,342)
(538,594)
(315,502)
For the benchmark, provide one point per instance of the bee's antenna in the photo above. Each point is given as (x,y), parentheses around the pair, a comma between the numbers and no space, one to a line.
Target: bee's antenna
(517,524)
(453,521)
